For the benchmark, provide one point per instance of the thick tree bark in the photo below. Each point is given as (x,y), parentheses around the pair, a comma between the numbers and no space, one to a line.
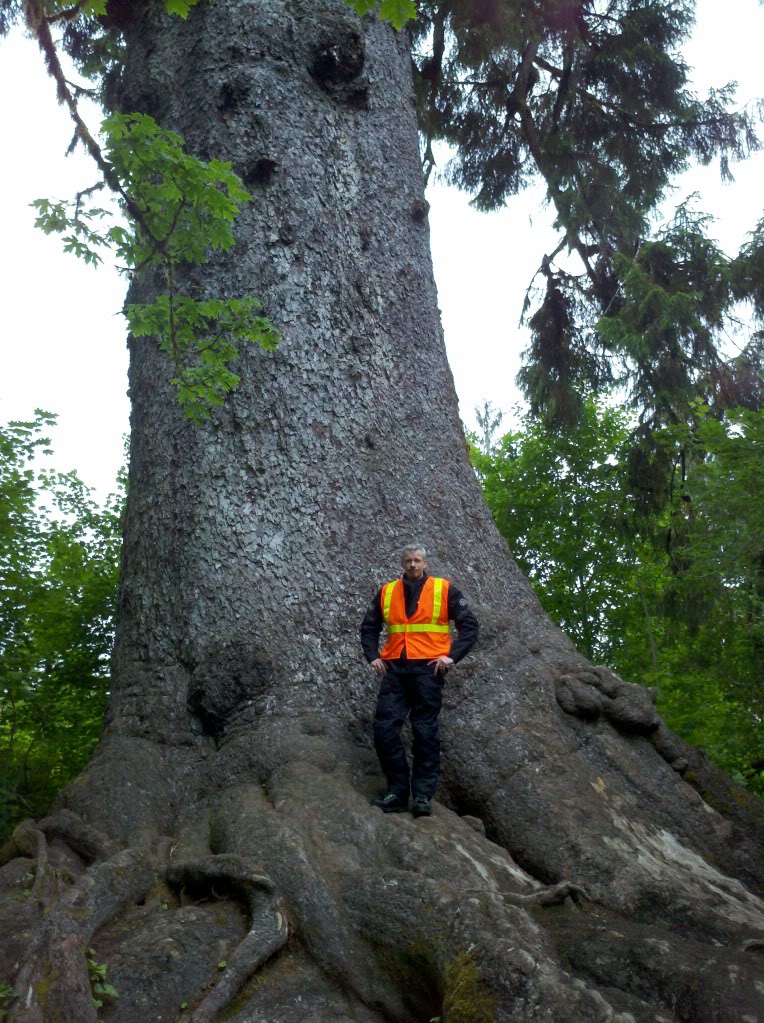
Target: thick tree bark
(582,863)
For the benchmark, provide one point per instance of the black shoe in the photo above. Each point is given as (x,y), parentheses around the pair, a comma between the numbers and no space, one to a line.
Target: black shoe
(391,803)
(421,807)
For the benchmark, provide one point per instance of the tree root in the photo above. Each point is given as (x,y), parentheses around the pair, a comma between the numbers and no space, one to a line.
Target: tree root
(407,920)
(553,895)
(85,840)
(53,982)
(247,822)
(476,954)
(268,927)
(28,840)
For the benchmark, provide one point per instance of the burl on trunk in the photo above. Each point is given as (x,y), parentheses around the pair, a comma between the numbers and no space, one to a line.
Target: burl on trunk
(219,854)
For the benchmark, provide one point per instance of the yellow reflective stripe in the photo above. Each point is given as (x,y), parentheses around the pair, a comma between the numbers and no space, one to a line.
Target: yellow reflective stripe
(427,627)
(387,600)
(437,597)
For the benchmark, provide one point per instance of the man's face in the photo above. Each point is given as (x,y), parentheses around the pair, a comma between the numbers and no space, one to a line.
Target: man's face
(413,564)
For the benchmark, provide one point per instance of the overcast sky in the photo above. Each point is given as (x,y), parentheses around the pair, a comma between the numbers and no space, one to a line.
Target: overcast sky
(62,336)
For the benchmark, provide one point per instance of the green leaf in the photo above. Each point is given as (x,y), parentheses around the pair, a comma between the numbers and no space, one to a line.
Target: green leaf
(397,12)
(180,8)
(203,338)
(665,592)
(363,6)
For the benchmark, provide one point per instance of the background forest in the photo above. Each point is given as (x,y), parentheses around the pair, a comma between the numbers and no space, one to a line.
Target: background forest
(656,570)
(631,493)
(59,569)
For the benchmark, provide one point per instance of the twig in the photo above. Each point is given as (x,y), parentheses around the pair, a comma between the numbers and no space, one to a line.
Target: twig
(38,24)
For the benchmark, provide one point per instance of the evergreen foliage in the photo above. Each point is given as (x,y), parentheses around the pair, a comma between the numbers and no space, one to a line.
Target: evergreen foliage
(594,98)
(59,564)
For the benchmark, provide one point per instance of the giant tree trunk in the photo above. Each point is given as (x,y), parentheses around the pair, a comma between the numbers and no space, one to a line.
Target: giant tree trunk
(582,863)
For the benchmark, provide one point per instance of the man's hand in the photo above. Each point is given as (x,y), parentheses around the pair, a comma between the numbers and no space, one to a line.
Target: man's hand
(442,664)
(378,666)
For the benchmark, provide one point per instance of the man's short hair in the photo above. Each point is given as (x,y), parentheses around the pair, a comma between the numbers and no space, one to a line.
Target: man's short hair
(410,548)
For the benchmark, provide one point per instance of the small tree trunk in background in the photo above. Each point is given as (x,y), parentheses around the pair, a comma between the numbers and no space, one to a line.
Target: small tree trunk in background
(237,754)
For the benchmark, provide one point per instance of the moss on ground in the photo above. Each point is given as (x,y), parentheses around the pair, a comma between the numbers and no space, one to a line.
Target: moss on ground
(41,989)
(438,984)
(466,999)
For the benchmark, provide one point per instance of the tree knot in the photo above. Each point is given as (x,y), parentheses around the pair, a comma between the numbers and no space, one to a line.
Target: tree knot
(594,691)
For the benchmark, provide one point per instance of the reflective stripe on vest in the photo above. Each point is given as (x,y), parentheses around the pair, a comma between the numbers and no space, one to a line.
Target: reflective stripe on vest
(419,628)
(387,600)
(437,597)
(432,626)
(423,635)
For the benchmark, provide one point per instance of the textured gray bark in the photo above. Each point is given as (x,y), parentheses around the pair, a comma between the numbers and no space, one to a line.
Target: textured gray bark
(237,758)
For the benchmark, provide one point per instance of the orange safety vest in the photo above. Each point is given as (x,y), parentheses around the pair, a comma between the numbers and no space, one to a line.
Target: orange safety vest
(426,633)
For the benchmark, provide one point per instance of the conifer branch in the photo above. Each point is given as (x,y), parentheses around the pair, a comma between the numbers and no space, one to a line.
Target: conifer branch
(69,14)
(40,27)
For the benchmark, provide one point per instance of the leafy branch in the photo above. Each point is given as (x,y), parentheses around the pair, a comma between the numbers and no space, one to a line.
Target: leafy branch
(398,12)
(178,209)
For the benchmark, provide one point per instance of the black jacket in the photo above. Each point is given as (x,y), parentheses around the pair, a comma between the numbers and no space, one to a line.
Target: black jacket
(465,621)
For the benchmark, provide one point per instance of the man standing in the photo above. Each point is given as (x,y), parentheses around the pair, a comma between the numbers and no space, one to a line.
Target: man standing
(412,665)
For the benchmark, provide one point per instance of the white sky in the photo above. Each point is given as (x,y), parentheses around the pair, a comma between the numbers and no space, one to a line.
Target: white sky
(62,337)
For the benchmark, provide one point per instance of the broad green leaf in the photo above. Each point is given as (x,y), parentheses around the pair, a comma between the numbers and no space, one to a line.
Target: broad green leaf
(363,6)
(94,8)
(397,12)
(181,8)
(671,596)
(184,209)
(59,561)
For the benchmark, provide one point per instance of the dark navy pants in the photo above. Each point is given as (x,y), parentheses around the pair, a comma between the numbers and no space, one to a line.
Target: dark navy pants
(418,694)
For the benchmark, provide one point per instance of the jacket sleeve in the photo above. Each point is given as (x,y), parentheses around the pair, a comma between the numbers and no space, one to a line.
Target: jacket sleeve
(371,628)
(466,624)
